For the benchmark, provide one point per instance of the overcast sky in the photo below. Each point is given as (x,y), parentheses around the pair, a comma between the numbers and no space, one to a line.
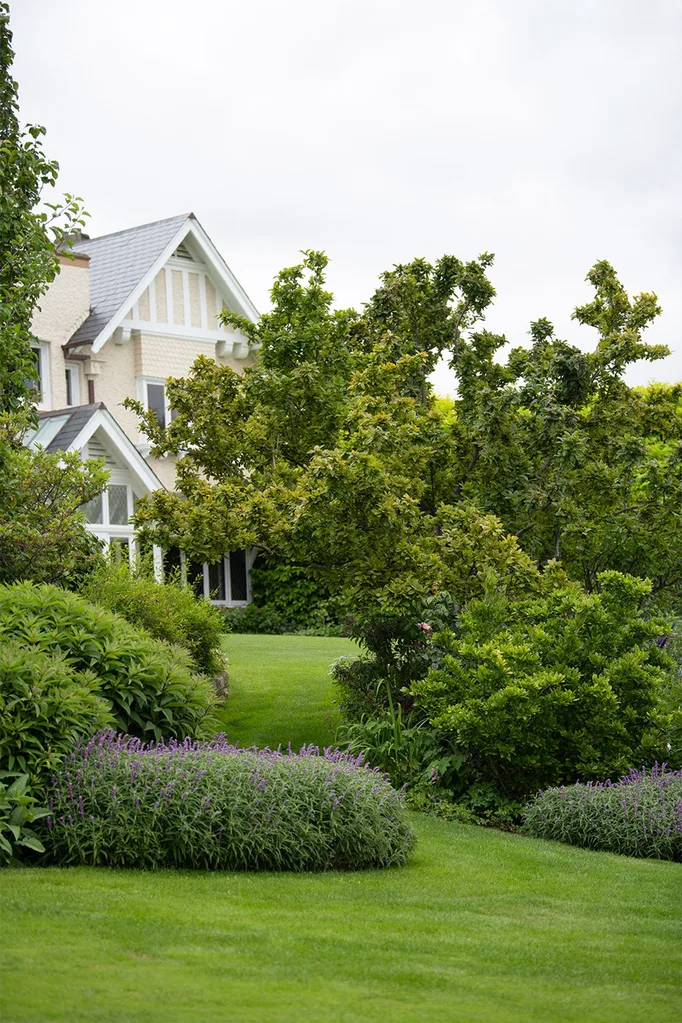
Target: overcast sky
(549,133)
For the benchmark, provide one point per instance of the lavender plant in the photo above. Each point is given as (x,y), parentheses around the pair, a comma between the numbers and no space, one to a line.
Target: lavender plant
(640,815)
(117,801)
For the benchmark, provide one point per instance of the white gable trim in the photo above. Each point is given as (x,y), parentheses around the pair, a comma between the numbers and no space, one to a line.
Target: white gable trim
(145,478)
(216,265)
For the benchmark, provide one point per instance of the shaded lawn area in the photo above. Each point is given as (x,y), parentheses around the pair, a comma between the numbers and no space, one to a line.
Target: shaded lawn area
(280,689)
(480,926)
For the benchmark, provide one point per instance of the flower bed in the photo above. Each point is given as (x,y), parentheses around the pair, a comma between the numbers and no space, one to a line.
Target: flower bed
(640,815)
(120,802)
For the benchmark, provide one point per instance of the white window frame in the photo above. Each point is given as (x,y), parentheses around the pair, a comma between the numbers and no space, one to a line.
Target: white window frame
(43,349)
(72,370)
(107,531)
(228,602)
(142,383)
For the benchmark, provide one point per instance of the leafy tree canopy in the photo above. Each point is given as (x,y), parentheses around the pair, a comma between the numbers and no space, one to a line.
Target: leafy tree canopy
(333,453)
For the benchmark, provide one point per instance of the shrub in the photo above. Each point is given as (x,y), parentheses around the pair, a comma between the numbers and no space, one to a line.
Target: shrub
(253,619)
(544,691)
(45,706)
(119,802)
(267,620)
(150,684)
(399,650)
(288,592)
(641,815)
(167,610)
(17,810)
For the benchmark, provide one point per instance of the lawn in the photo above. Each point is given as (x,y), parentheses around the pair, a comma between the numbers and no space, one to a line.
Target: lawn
(480,926)
(280,689)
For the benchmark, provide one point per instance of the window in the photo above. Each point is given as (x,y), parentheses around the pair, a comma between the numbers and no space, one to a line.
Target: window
(216,580)
(113,507)
(156,402)
(42,365)
(154,397)
(172,563)
(195,577)
(73,396)
(118,504)
(94,510)
(224,582)
(238,579)
(120,548)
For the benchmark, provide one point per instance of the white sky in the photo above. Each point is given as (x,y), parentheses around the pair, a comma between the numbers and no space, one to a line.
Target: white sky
(379,130)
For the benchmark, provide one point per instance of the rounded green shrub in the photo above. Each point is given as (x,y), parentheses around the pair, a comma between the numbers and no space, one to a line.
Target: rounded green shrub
(150,685)
(541,692)
(45,707)
(119,802)
(167,610)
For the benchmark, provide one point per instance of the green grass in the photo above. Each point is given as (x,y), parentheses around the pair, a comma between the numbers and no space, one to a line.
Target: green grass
(280,689)
(480,926)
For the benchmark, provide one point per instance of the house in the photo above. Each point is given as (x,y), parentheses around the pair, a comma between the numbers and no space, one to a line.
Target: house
(127,311)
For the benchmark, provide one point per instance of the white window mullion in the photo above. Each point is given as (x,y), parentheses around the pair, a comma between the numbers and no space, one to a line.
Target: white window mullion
(228,578)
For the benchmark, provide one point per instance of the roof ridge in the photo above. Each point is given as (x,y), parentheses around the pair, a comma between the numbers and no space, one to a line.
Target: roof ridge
(136,227)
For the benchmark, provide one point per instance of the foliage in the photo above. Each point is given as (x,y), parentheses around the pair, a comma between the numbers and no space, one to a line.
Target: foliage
(17,810)
(30,234)
(641,815)
(211,805)
(477,926)
(578,465)
(42,534)
(168,611)
(333,458)
(254,619)
(150,684)
(45,706)
(333,455)
(401,745)
(550,689)
(292,594)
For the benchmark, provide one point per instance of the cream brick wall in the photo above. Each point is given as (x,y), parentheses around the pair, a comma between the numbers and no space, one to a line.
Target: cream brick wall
(122,366)
(60,312)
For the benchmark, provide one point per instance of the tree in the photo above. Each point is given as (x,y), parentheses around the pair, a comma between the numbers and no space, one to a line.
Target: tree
(332,453)
(42,534)
(581,467)
(329,452)
(31,233)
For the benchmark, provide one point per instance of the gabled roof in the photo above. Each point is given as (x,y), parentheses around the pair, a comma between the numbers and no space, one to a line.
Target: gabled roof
(69,429)
(123,264)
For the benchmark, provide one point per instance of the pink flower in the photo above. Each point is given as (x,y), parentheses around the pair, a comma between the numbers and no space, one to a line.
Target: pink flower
(425,626)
